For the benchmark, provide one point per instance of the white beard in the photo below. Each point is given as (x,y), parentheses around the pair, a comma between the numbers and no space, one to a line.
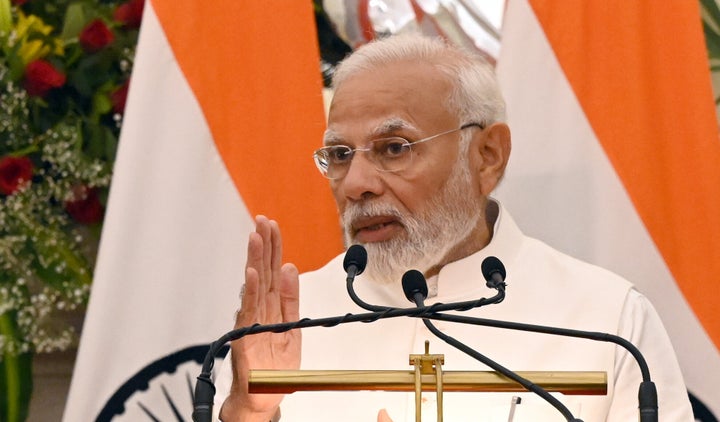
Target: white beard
(428,238)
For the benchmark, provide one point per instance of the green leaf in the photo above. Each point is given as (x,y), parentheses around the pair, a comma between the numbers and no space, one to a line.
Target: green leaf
(5,16)
(75,20)
(92,71)
(14,61)
(100,142)
(111,143)
(710,13)
(100,104)
(712,41)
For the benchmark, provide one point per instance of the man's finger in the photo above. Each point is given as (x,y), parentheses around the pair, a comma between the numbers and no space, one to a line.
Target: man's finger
(275,254)
(289,293)
(263,228)
(249,300)
(255,261)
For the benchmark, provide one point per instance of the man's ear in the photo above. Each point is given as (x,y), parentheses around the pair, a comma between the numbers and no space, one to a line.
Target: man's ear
(489,155)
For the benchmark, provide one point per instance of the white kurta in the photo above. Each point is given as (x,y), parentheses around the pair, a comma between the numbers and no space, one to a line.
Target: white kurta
(545,287)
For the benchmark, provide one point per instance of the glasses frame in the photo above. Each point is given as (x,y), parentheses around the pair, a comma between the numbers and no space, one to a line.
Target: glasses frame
(319,161)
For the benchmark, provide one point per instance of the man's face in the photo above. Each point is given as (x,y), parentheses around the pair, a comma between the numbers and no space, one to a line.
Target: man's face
(410,218)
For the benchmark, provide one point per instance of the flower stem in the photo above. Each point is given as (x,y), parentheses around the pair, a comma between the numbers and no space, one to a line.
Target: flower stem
(15,374)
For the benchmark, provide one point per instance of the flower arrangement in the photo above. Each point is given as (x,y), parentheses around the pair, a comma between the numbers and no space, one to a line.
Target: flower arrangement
(64,74)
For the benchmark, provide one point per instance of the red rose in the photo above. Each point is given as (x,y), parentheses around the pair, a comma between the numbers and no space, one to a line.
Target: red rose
(14,171)
(41,76)
(19,2)
(95,36)
(130,13)
(119,96)
(85,207)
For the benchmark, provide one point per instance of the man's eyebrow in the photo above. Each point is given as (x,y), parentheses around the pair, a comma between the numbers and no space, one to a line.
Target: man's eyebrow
(331,137)
(385,128)
(391,126)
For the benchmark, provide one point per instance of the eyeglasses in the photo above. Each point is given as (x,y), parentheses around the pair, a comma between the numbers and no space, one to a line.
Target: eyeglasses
(387,154)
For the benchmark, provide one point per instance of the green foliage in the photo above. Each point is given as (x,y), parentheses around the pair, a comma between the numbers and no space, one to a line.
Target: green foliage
(64,122)
(710,12)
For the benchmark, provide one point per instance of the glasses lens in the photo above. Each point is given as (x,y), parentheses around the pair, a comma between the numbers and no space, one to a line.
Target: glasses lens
(392,154)
(333,161)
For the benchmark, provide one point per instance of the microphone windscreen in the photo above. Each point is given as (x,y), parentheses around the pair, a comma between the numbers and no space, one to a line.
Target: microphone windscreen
(413,281)
(491,265)
(356,255)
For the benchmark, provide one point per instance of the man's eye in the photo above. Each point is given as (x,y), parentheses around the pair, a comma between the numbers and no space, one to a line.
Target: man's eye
(393,148)
(339,154)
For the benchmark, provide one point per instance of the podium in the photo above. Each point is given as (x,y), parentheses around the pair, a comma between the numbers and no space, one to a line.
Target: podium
(427,376)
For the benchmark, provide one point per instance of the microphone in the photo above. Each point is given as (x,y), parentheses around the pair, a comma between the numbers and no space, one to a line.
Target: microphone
(354,264)
(355,261)
(494,272)
(415,289)
(414,286)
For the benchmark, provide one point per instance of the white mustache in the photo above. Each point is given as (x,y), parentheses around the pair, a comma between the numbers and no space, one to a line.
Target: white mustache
(358,210)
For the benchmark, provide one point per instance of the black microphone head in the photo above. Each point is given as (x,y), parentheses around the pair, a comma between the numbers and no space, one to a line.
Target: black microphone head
(356,255)
(492,265)
(413,282)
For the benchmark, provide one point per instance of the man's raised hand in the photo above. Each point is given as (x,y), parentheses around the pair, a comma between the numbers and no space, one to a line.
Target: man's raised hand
(270,295)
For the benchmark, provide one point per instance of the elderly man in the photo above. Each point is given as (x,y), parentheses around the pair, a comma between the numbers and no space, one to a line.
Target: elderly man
(415,144)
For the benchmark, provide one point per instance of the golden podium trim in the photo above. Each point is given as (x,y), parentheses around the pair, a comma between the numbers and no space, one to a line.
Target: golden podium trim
(565,382)
(427,375)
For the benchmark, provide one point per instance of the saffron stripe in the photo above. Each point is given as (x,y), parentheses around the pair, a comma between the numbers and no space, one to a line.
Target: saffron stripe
(643,81)
(254,68)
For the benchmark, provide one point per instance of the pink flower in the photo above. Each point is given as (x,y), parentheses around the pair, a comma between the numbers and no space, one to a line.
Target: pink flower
(14,172)
(41,76)
(96,36)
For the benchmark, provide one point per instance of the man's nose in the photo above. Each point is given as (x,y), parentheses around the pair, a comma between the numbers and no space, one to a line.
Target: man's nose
(362,178)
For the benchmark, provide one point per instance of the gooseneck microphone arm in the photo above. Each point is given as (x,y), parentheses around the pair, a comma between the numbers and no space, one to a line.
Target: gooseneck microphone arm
(415,289)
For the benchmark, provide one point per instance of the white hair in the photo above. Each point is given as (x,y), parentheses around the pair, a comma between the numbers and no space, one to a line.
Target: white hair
(475,97)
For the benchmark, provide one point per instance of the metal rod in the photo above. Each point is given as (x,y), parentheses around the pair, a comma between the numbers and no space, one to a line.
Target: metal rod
(565,382)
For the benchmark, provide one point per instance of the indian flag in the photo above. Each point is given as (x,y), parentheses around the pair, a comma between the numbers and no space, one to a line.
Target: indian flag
(616,156)
(224,110)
